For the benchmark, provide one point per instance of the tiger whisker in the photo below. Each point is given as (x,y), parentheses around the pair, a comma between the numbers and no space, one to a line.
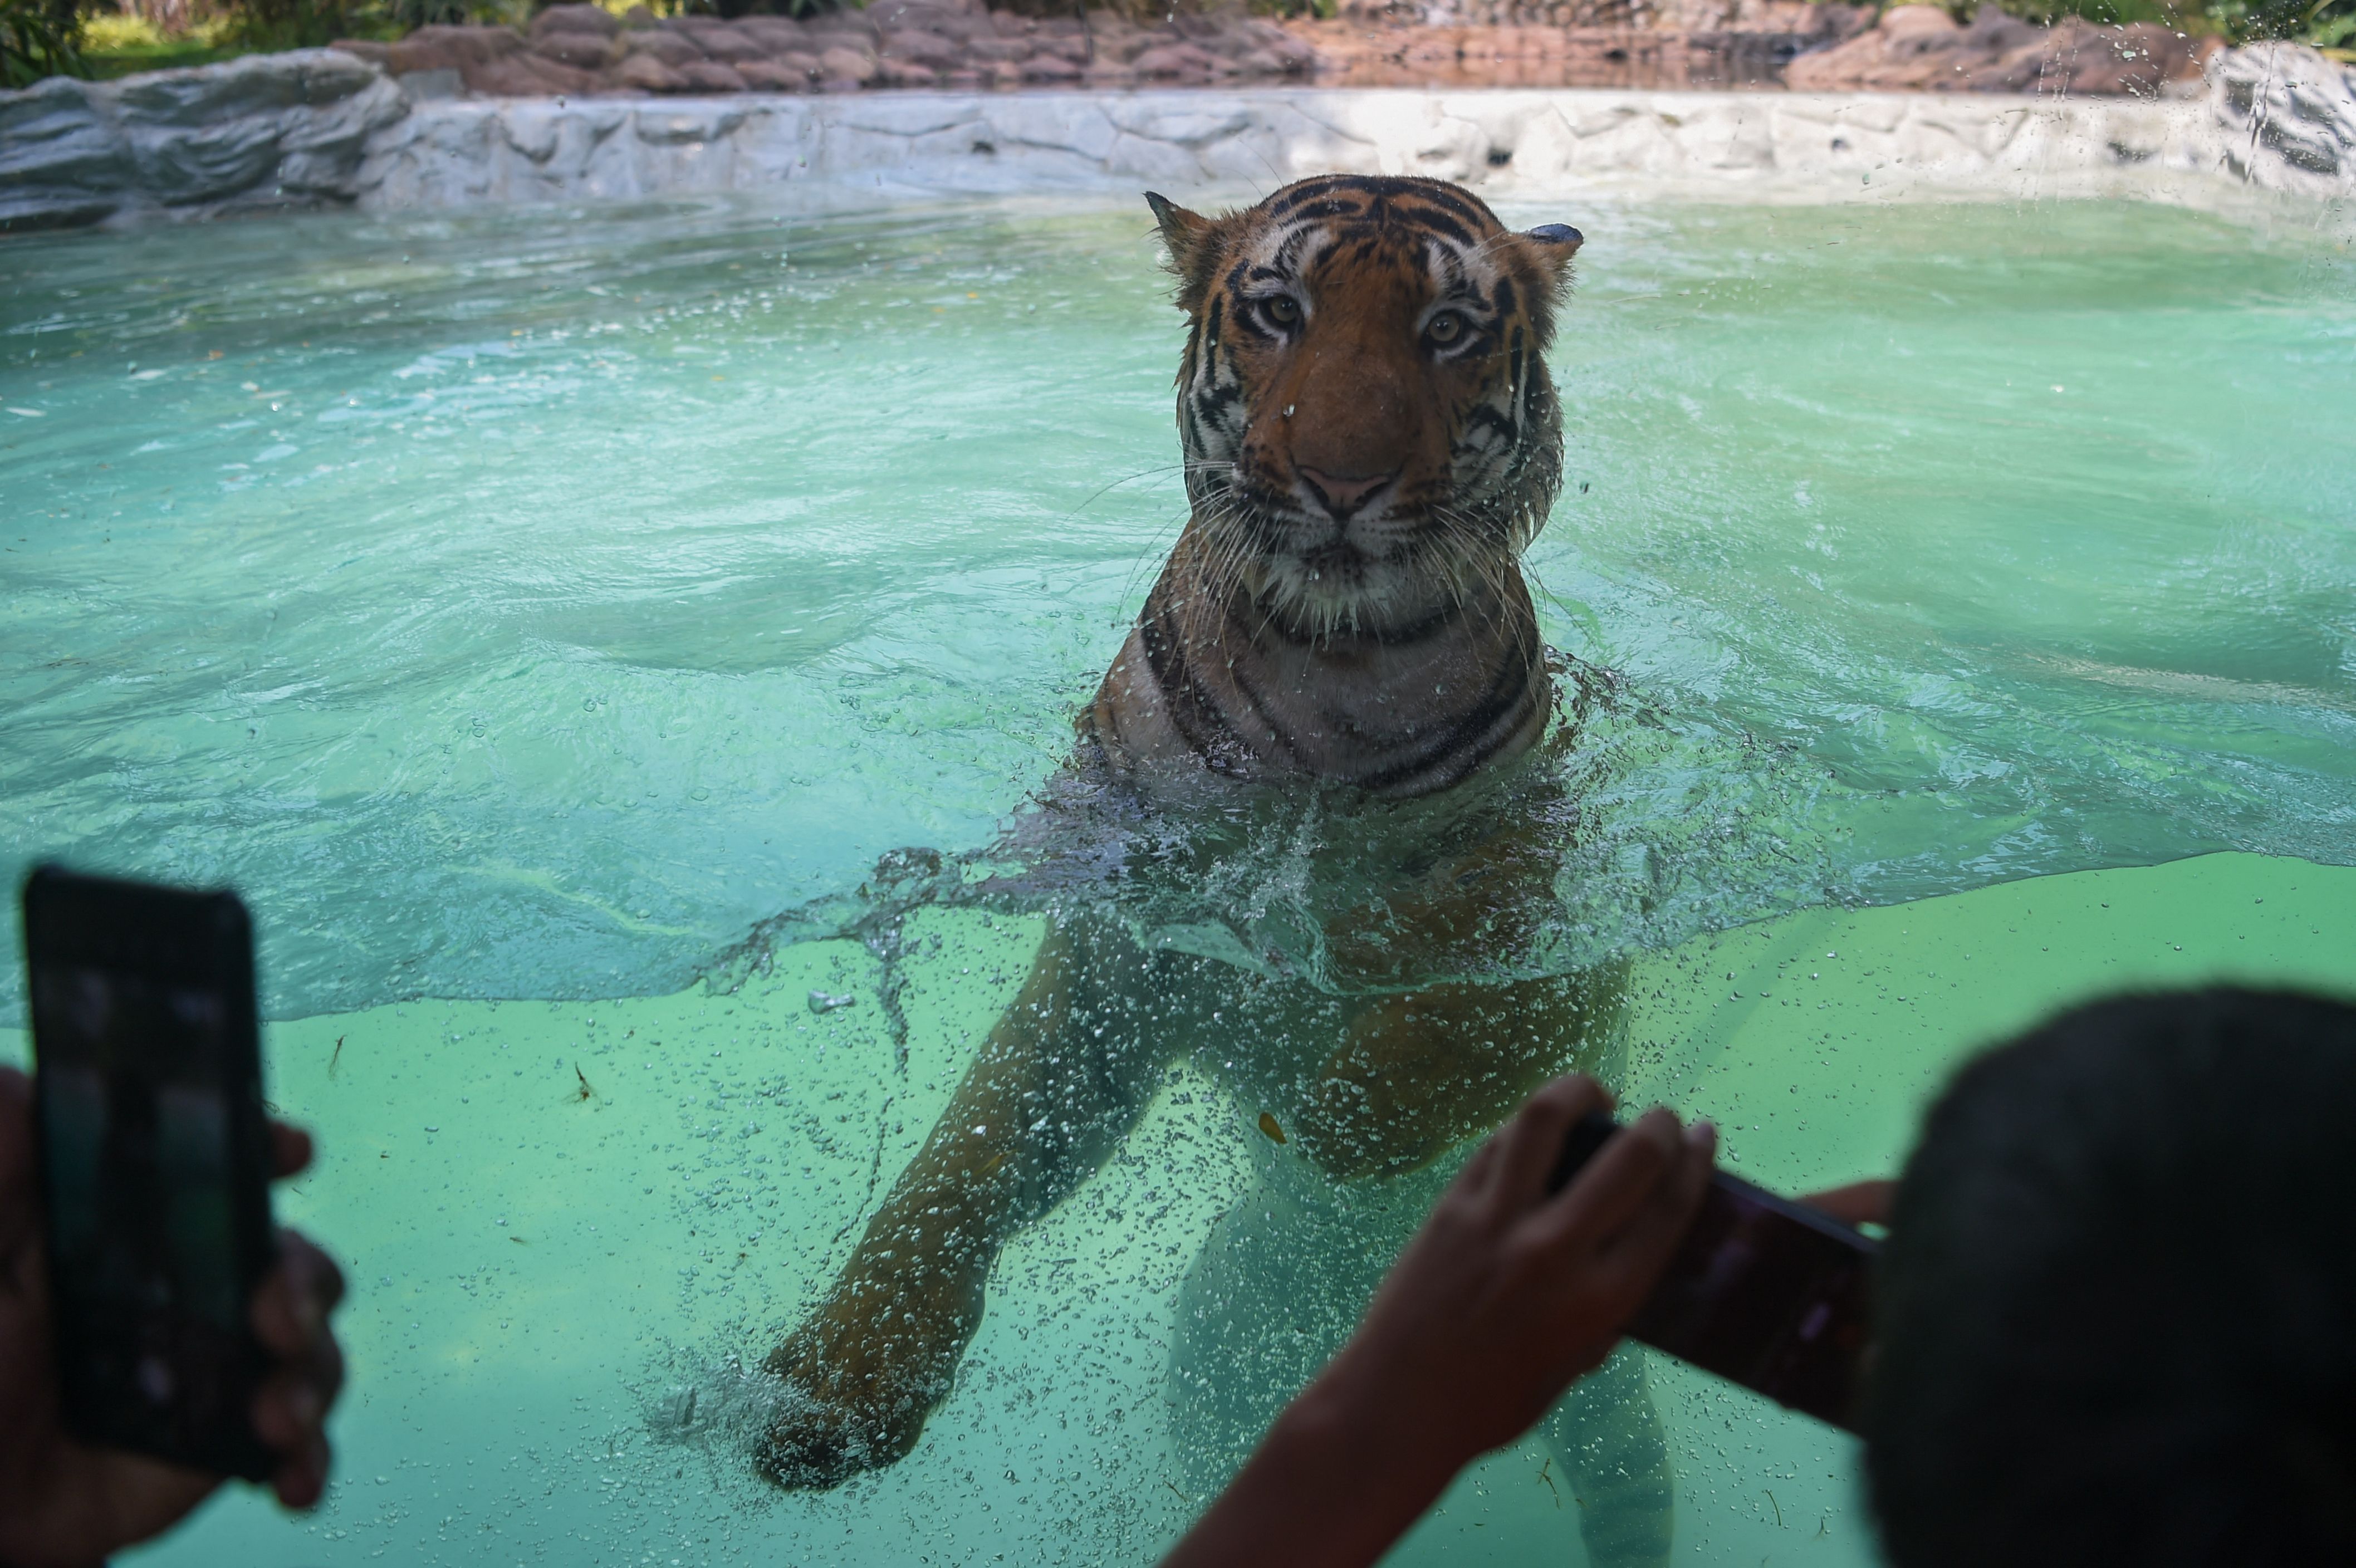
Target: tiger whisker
(1103,490)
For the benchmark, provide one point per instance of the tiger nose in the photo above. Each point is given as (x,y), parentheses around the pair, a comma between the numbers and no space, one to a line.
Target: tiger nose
(1343,494)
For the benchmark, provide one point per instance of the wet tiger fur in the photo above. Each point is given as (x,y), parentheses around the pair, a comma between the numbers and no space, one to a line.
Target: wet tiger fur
(1371,439)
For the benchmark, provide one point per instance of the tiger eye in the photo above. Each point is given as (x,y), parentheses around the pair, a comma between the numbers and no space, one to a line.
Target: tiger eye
(1446,328)
(1282,310)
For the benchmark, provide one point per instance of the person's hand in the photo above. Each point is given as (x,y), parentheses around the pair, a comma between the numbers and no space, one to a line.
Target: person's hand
(1506,1295)
(64,1504)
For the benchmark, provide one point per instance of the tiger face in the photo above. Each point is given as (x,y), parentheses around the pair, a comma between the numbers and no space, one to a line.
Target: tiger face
(1370,432)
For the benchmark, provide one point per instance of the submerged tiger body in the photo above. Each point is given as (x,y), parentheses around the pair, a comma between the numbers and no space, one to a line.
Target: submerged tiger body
(1371,439)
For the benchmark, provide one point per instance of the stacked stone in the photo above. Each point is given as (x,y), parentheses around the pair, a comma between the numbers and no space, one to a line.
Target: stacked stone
(1374,54)
(584,50)
(1537,14)
(1574,43)
(1815,45)
(1807,17)
(1195,49)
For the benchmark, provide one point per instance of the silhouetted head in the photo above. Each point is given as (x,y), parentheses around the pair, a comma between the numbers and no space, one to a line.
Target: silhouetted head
(1368,424)
(2117,1315)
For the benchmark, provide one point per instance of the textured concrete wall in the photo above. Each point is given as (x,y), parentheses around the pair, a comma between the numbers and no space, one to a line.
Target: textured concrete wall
(463,151)
(317,128)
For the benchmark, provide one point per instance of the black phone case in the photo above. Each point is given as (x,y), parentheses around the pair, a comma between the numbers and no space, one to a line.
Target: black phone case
(199,942)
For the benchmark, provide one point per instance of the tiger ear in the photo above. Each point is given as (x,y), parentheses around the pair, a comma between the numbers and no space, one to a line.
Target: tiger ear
(1547,250)
(1191,239)
(1556,243)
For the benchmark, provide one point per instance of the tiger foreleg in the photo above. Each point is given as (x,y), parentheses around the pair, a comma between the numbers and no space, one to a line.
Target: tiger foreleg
(1607,1436)
(1062,1077)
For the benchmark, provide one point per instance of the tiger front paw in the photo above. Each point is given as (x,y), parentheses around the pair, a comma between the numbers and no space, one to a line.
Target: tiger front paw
(855,1390)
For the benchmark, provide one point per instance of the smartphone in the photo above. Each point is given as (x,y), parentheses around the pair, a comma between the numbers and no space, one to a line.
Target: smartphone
(154,1163)
(1762,1291)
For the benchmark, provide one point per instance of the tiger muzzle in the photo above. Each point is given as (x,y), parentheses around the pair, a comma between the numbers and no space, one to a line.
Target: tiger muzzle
(1343,495)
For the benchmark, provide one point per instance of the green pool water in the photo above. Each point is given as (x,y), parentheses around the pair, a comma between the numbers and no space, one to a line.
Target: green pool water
(519,609)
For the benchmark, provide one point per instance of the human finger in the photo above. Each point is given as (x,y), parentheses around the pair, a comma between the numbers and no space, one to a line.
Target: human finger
(312,1359)
(1611,1187)
(321,1273)
(1474,1177)
(1529,1146)
(288,1409)
(1859,1203)
(15,1132)
(302,1480)
(1642,1244)
(1621,1272)
(291,1306)
(290,1149)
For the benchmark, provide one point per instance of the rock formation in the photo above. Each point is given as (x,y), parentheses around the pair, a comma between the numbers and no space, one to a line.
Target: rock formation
(317,128)
(581,50)
(2290,118)
(265,131)
(1921,48)
(1603,43)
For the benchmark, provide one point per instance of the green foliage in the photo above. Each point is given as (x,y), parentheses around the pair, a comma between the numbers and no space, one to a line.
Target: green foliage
(2329,24)
(398,16)
(288,24)
(2325,24)
(115,43)
(2045,12)
(38,38)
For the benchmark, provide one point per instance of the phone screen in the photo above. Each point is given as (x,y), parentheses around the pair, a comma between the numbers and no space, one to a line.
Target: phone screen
(1762,1291)
(153,1162)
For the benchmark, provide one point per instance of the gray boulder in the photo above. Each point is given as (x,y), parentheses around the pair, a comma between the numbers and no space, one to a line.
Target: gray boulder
(61,161)
(285,130)
(2290,117)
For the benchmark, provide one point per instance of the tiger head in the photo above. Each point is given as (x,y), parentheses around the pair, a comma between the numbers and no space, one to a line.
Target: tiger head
(1370,432)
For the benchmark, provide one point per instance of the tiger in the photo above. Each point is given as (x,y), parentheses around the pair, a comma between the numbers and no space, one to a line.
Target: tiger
(1371,439)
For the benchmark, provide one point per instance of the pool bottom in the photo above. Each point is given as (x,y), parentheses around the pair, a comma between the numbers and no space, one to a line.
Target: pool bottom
(554,1215)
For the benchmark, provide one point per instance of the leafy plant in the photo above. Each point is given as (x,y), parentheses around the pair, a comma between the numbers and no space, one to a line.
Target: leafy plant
(2328,24)
(288,24)
(119,43)
(38,38)
(732,9)
(2325,24)
(404,16)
